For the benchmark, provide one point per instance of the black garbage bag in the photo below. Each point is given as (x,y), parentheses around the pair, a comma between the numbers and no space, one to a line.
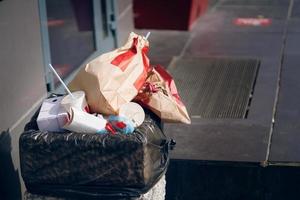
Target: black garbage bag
(93,165)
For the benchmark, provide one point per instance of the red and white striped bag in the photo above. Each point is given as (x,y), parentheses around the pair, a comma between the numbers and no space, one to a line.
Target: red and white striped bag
(114,78)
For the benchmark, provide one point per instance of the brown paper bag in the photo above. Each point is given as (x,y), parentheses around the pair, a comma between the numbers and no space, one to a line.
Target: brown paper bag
(114,78)
(160,95)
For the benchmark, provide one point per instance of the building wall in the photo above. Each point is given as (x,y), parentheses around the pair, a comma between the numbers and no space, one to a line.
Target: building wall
(22,84)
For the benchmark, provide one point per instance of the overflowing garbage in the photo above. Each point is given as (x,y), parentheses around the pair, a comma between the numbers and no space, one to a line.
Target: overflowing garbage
(106,87)
(104,137)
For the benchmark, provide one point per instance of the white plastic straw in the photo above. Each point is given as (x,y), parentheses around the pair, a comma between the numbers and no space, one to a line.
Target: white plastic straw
(67,89)
(148,34)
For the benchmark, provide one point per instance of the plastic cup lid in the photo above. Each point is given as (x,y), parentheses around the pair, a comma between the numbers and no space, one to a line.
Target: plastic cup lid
(134,112)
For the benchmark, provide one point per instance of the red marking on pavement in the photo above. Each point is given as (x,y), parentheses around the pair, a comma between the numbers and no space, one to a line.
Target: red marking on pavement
(252,21)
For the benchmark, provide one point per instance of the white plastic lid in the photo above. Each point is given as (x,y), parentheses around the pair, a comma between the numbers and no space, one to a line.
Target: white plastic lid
(134,112)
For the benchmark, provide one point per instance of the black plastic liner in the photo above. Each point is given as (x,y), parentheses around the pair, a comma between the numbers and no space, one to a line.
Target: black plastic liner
(94,165)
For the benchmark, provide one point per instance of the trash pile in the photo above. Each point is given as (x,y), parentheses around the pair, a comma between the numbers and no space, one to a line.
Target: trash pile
(104,137)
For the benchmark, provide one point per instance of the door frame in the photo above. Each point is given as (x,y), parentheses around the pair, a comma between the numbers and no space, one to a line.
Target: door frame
(101,44)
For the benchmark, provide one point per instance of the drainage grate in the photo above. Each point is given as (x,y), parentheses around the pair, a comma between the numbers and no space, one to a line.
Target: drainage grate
(215,87)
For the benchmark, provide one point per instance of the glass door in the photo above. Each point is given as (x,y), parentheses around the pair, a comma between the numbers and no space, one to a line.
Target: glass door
(105,26)
(73,32)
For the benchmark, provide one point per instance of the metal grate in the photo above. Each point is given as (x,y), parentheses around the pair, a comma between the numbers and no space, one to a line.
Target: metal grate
(215,87)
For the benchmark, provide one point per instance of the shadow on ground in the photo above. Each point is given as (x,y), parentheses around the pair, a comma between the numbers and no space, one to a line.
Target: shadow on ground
(10,188)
